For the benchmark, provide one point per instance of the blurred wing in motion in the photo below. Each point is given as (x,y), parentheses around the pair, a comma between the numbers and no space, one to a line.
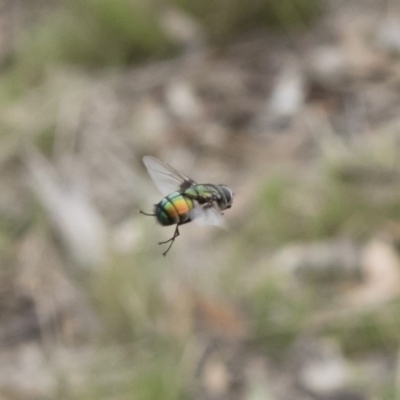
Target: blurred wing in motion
(166,178)
(206,215)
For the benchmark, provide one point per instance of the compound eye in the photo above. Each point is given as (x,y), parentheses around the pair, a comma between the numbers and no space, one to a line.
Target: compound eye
(227,193)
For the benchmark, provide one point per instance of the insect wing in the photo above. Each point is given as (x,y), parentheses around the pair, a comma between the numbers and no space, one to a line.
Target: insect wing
(206,215)
(166,178)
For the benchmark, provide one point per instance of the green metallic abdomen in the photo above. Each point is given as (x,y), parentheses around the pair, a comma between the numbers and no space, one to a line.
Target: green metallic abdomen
(174,209)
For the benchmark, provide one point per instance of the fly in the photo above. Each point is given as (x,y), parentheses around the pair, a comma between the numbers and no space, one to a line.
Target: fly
(185,200)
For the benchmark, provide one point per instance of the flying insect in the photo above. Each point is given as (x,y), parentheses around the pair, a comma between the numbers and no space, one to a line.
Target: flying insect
(185,200)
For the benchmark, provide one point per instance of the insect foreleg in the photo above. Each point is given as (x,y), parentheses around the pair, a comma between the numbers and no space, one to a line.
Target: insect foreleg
(176,234)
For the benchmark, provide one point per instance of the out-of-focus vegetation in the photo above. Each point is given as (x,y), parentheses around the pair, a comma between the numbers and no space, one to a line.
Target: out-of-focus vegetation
(125,32)
(299,298)
(101,32)
(224,20)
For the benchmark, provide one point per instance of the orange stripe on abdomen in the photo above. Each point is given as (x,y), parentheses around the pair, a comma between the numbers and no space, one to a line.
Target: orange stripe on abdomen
(174,208)
(181,206)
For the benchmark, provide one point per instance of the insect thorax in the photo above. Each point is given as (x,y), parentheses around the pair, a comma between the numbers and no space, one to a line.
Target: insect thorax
(201,192)
(217,195)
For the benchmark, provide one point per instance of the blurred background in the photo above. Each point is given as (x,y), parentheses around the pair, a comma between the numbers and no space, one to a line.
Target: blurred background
(294,104)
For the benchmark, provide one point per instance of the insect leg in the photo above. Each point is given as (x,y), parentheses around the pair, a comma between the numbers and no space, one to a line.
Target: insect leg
(151,215)
(176,234)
